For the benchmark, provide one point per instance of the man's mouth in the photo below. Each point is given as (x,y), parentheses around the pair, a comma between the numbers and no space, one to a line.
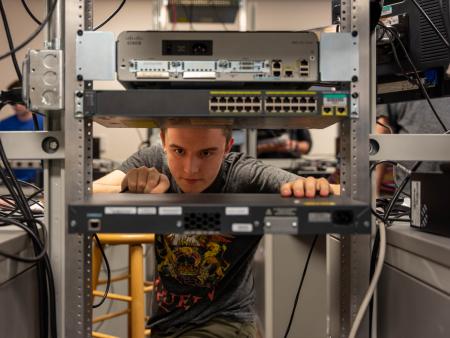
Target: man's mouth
(192,180)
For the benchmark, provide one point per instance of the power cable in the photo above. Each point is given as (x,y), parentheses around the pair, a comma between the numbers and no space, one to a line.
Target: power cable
(108,272)
(111,16)
(370,291)
(300,285)
(33,35)
(30,13)
(418,80)
(10,41)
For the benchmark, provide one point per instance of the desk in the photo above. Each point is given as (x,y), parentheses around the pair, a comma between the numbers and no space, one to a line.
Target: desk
(414,288)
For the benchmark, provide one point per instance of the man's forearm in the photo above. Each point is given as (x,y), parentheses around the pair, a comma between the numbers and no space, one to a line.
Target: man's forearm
(98,187)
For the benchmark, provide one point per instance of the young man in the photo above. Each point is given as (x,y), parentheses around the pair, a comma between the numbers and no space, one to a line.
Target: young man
(205,285)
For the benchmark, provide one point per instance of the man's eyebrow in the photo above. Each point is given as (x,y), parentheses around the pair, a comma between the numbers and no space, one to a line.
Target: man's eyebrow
(173,145)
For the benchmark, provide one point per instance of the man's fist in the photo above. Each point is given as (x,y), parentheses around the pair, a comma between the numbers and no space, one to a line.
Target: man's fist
(309,187)
(145,180)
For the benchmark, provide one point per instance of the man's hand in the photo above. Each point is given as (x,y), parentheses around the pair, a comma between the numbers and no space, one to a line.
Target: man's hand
(309,187)
(145,180)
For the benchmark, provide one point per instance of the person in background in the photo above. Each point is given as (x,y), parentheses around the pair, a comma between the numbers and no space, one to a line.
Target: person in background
(22,120)
(283,143)
(412,117)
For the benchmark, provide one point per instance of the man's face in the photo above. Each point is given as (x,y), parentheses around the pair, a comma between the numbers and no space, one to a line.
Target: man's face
(195,155)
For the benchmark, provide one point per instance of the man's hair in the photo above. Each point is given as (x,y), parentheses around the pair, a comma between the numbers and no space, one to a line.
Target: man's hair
(227,131)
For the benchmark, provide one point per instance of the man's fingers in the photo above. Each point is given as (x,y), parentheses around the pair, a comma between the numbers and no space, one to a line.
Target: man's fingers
(144,180)
(162,186)
(124,184)
(153,177)
(142,177)
(310,187)
(323,187)
(286,189)
(299,188)
(132,177)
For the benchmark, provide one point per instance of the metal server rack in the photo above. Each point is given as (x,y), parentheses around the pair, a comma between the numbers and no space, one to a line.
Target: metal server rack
(69,179)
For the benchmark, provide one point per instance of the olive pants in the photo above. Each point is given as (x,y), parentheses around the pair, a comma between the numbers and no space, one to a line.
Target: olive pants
(219,327)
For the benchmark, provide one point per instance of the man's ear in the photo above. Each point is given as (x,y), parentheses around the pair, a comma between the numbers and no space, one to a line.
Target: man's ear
(229,145)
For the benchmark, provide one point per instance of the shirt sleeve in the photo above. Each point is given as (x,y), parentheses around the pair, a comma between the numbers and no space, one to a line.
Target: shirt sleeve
(249,175)
(303,135)
(382,110)
(147,157)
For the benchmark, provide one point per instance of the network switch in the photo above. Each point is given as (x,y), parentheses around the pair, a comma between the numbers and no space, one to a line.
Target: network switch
(243,214)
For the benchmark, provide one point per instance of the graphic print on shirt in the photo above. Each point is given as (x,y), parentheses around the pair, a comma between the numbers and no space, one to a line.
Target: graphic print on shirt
(192,260)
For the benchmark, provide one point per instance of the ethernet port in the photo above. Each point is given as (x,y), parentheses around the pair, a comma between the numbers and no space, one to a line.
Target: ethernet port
(294,100)
(223,99)
(213,108)
(239,108)
(269,99)
(311,100)
(94,224)
(248,109)
(302,109)
(288,73)
(286,108)
(276,73)
(239,100)
(278,99)
(286,100)
(276,64)
(222,108)
(248,99)
(312,109)
(294,109)
(303,100)
(231,108)
(269,109)
(256,100)
(327,111)
(304,62)
(256,108)
(278,109)
(214,99)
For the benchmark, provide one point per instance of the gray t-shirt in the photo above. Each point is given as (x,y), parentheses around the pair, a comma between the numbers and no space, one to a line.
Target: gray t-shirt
(416,117)
(204,276)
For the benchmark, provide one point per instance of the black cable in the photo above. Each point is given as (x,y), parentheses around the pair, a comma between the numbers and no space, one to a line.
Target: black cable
(108,272)
(33,35)
(10,41)
(419,82)
(111,16)
(46,289)
(444,40)
(30,13)
(300,285)
(8,221)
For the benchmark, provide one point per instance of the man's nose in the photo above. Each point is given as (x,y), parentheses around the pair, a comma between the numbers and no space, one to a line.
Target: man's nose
(191,165)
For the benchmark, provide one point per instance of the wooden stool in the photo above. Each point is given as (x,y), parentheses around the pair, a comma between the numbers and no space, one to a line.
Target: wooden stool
(137,287)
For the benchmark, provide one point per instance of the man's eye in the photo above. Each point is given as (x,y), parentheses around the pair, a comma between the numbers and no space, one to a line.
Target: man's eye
(207,153)
(179,151)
